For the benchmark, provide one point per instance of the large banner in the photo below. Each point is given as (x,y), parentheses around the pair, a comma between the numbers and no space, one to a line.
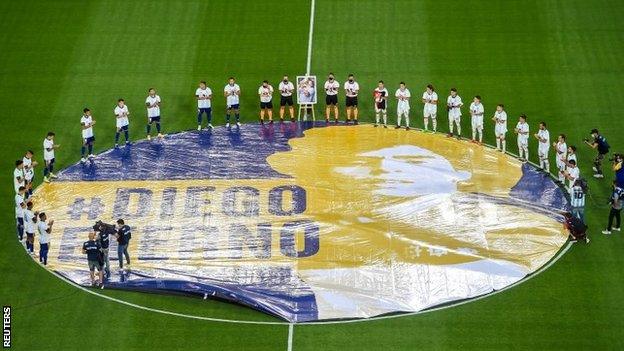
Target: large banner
(324,223)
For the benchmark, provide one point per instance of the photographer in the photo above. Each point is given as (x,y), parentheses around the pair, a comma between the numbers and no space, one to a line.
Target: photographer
(600,144)
(94,256)
(123,240)
(617,197)
(618,169)
(104,231)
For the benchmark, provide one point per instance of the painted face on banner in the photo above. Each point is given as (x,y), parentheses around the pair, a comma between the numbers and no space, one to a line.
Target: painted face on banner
(348,222)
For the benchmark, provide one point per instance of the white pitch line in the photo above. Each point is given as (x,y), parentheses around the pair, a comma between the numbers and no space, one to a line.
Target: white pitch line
(291,331)
(310,35)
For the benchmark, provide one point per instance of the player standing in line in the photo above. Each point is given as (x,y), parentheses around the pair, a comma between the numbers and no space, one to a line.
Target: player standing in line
(571,154)
(18,176)
(561,154)
(500,127)
(403,95)
(380,95)
(430,99)
(522,129)
(29,172)
(152,102)
(29,227)
(45,229)
(232,98)
(20,206)
(286,89)
(265,91)
(543,136)
(352,88)
(48,156)
(572,173)
(121,121)
(453,106)
(87,122)
(331,97)
(204,104)
(477,111)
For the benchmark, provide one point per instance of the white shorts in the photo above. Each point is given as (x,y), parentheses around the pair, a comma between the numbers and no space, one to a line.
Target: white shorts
(430,112)
(542,152)
(560,164)
(403,110)
(477,122)
(454,114)
(500,130)
(523,142)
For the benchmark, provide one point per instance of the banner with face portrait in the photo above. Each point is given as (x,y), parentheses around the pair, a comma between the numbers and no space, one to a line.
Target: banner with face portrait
(308,222)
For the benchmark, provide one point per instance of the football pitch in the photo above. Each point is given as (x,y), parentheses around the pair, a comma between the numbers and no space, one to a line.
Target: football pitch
(557,61)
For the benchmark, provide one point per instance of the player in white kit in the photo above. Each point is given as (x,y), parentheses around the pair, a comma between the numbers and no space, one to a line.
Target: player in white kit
(522,129)
(122,122)
(543,136)
(331,97)
(380,97)
(265,91)
(403,95)
(232,99)
(453,106)
(48,156)
(286,89)
(430,110)
(87,122)
(561,155)
(476,113)
(152,102)
(500,127)
(29,172)
(203,94)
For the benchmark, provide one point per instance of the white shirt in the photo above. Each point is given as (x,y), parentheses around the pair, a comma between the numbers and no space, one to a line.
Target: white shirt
(203,93)
(232,92)
(352,89)
(122,113)
(286,89)
(331,88)
(572,157)
(29,225)
(153,111)
(430,105)
(403,97)
(19,211)
(501,117)
(44,237)
(544,134)
(455,102)
(87,122)
(574,174)
(523,128)
(562,150)
(476,110)
(29,172)
(17,184)
(48,144)
(266,94)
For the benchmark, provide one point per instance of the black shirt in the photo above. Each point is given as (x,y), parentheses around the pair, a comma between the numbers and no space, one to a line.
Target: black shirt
(92,248)
(124,235)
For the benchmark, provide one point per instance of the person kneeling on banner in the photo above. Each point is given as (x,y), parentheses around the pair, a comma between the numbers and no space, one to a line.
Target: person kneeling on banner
(576,228)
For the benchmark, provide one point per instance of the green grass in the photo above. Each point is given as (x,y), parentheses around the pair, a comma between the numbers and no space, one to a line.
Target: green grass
(557,61)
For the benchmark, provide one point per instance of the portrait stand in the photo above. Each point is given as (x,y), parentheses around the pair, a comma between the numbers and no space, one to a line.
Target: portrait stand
(304,110)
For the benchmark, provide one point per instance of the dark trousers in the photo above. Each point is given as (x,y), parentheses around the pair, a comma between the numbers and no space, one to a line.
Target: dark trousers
(43,253)
(614,214)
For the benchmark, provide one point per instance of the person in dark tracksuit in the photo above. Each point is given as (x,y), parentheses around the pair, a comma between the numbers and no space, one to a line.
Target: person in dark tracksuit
(94,256)
(123,240)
